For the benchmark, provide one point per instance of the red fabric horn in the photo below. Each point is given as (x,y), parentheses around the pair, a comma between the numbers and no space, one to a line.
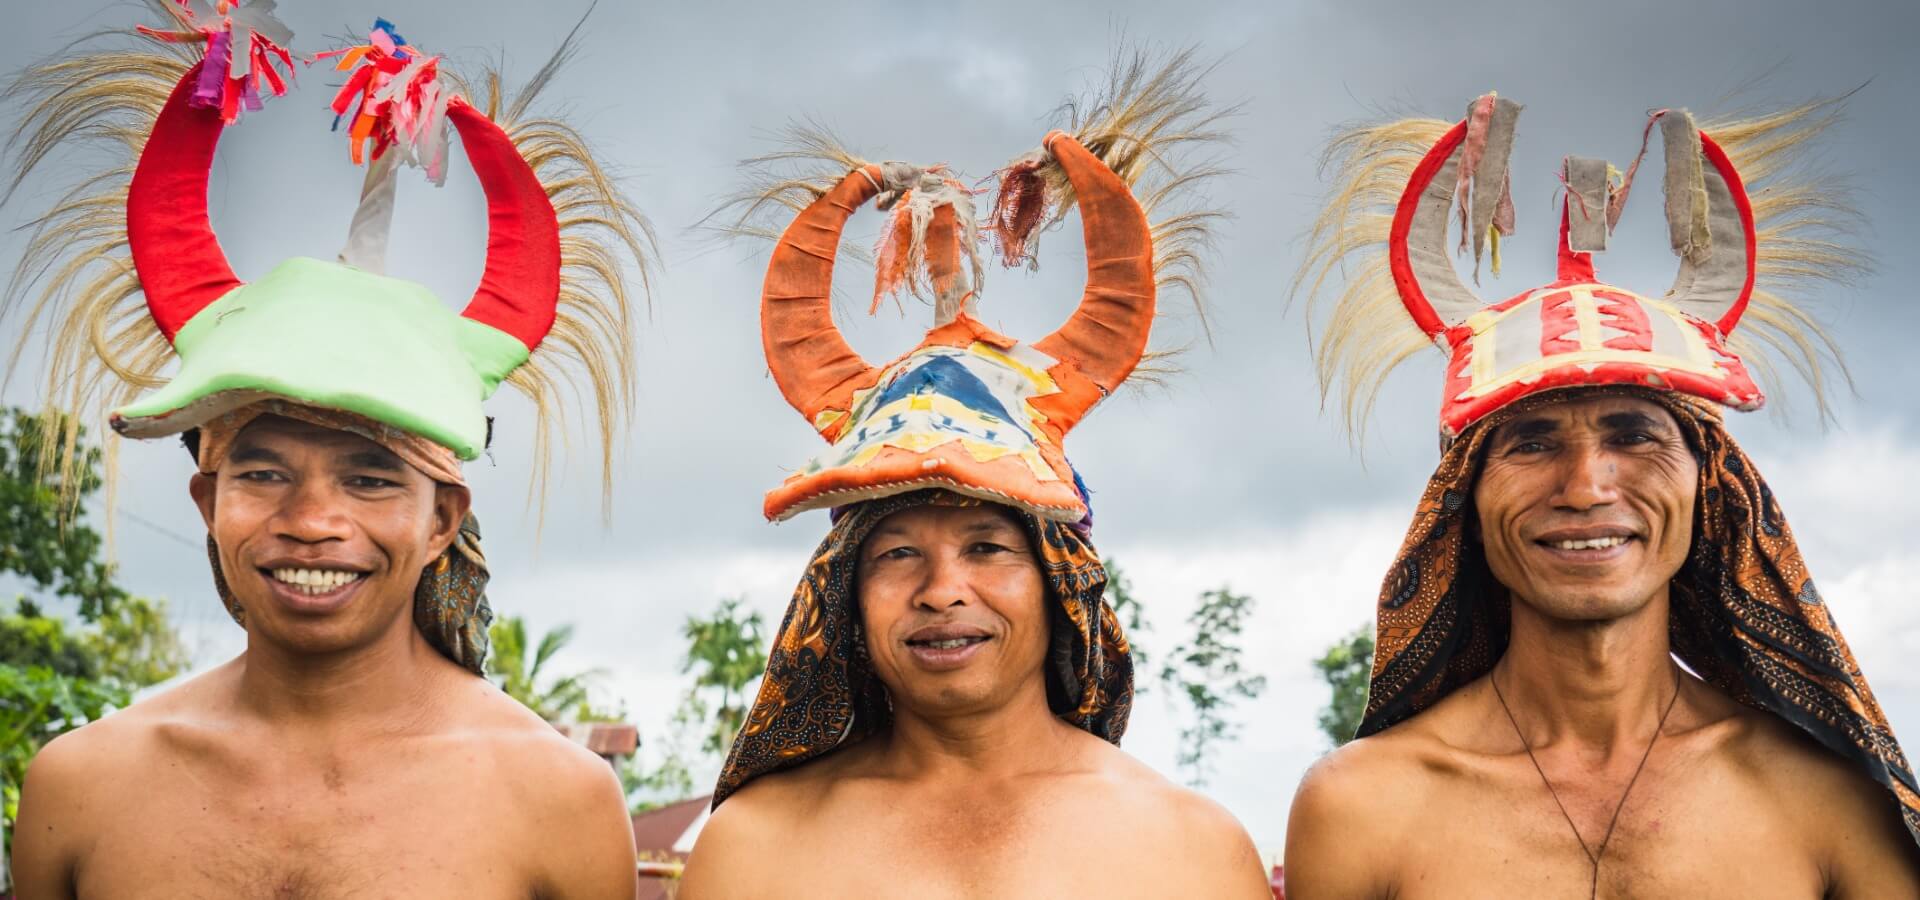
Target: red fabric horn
(519,292)
(1107,334)
(180,264)
(813,365)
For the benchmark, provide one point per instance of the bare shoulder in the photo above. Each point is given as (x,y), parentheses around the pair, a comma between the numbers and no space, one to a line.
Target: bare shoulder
(1217,856)
(1854,819)
(1338,821)
(128,741)
(729,858)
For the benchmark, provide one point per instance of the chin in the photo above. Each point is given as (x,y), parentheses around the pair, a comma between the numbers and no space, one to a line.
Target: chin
(1588,606)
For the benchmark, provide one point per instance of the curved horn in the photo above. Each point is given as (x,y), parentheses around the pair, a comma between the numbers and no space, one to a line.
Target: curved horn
(1710,222)
(1417,254)
(1107,334)
(180,264)
(813,365)
(519,291)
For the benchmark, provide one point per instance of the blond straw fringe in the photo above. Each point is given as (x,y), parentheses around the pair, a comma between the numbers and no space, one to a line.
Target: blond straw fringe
(75,273)
(1801,219)
(600,230)
(1367,333)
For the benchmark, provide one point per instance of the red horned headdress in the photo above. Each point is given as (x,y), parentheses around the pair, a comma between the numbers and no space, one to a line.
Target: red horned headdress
(1744,231)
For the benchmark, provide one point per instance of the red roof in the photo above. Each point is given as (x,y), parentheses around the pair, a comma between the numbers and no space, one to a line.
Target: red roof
(657,830)
(607,739)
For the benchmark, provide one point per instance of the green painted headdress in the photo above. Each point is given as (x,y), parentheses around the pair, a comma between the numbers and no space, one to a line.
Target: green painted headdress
(130,274)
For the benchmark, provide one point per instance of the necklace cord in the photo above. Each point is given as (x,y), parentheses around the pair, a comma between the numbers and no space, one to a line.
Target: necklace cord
(1593,856)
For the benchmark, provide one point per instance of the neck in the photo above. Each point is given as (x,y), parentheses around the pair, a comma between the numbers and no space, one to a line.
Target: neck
(1600,684)
(385,684)
(1014,738)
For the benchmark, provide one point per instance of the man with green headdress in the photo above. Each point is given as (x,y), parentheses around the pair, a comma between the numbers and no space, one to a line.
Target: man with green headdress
(352,748)
(944,698)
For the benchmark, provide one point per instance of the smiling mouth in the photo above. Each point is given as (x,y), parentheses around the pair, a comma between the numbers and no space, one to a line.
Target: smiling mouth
(950,643)
(314,582)
(1599,543)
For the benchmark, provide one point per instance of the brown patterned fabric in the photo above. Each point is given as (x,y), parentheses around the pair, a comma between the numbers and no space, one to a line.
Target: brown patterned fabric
(217,435)
(820,692)
(449,606)
(1745,614)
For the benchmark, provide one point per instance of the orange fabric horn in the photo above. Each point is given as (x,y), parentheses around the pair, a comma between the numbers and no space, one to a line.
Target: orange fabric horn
(813,365)
(1107,334)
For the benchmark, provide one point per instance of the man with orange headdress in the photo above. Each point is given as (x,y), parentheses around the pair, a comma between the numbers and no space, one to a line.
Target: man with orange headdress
(352,749)
(1602,667)
(943,701)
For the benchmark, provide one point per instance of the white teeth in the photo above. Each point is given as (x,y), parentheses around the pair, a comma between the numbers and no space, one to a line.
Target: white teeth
(951,643)
(313,582)
(1591,543)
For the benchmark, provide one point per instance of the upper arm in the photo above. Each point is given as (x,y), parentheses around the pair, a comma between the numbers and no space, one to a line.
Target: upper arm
(585,833)
(50,832)
(1328,854)
(722,864)
(1873,853)
(1222,849)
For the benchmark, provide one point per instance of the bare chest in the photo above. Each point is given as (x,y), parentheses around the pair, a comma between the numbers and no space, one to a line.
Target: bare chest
(1684,831)
(309,829)
(959,850)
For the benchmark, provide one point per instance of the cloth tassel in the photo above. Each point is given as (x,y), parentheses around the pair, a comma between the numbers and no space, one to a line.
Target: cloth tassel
(1019,206)
(398,103)
(238,64)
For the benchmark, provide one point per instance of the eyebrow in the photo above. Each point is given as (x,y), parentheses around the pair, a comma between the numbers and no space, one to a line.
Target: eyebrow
(1528,428)
(255,453)
(1621,421)
(379,460)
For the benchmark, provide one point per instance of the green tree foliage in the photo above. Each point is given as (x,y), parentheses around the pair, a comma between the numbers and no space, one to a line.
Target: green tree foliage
(1346,666)
(519,668)
(41,539)
(56,674)
(1206,673)
(726,653)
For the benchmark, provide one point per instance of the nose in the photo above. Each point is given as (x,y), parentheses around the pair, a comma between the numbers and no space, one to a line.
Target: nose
(311,513)
(1588,478)
(946,585)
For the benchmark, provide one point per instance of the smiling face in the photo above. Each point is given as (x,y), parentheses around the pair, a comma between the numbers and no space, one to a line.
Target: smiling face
(323,534)
(954,609)
(1586,505)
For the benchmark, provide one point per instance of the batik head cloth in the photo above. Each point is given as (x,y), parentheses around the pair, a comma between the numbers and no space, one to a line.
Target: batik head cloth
(1744,612)
(137,279)
(820,692)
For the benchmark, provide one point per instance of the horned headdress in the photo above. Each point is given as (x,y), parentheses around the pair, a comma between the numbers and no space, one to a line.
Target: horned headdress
(971,410)
(1745,223)
(129,270)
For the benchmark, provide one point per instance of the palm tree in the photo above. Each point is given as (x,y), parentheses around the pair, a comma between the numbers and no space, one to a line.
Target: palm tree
(520,676)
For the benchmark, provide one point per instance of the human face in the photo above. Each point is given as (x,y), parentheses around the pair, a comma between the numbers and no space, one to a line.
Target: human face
(1586,505)
(953,608)
(322,534)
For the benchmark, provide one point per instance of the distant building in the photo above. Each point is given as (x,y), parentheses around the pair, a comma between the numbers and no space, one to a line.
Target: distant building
(662,838)
(611,741)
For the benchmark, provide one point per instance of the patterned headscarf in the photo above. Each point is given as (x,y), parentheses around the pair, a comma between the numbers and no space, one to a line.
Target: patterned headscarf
(450,604)
(820,692)
(1745,615)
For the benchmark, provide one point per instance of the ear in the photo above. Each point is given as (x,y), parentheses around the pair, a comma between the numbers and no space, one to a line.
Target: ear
(202,488)
(451,502)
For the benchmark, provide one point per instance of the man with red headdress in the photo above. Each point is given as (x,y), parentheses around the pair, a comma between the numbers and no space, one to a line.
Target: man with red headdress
(353,748)
(1602,668)
(943,700)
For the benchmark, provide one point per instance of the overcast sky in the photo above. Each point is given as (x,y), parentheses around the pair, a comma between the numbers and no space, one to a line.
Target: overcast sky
(1231,475)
